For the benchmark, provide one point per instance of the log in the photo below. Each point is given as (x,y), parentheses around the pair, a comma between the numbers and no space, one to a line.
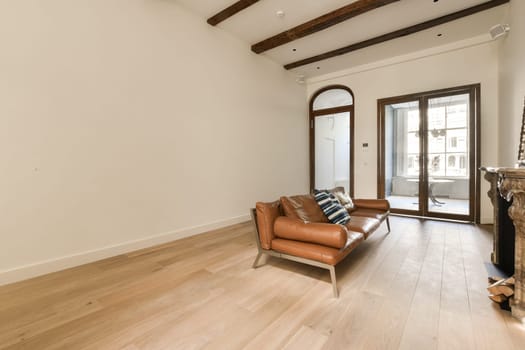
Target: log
(498,298)
(499,282)
(505,282)
(501,289)
(511,281)
(494,279)
(502,286)
(506,290)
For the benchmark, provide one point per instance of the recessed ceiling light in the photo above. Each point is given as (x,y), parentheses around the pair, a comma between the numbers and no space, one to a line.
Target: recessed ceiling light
(280,13)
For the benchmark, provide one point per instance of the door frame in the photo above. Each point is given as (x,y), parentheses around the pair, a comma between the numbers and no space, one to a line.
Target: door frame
(327,111)
(474,91)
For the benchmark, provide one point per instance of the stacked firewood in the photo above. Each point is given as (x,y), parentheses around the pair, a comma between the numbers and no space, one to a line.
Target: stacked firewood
(501,291)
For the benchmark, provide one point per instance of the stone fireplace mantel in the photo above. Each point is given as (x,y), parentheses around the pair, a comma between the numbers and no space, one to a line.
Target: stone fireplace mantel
(510,184)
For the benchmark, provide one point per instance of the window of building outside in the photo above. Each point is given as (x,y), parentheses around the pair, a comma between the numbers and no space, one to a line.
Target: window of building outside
(447,141)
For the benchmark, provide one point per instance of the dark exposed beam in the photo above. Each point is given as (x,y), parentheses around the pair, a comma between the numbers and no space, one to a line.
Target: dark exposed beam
(398,33)
(325,21)
(230,11)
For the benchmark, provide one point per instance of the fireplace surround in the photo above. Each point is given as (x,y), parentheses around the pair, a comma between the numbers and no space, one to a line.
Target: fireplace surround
(509,183)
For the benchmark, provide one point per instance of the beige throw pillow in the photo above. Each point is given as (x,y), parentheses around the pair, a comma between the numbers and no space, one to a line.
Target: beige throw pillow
(344,199)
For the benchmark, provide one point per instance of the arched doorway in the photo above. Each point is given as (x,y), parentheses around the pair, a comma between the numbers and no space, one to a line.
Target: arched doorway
(332,138)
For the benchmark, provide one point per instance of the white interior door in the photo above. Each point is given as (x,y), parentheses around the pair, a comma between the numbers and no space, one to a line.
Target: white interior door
(332,151)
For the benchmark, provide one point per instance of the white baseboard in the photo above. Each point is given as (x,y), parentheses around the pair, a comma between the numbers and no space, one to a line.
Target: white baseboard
(65,262)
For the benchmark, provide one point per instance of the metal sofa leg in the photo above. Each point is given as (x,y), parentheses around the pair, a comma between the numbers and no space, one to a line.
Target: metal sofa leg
(256,262)
(388,224)
(334,282)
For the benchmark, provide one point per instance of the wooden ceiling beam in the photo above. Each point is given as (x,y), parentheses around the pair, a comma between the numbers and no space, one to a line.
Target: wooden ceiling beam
(398,33)
(320,23)
(230,11)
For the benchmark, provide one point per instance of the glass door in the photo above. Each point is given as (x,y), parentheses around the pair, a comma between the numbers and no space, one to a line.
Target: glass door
(448,159)
(402,156)
(428,153)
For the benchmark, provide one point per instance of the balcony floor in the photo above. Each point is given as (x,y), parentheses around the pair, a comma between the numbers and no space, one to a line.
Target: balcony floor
(450,206)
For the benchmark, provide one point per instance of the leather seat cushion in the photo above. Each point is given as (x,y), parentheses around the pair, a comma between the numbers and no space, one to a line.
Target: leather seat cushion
(363,224)
(317,252)
(330,235)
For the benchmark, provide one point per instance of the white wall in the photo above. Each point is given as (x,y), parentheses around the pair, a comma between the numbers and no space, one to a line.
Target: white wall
(512,84)
(127,123)
(475,64)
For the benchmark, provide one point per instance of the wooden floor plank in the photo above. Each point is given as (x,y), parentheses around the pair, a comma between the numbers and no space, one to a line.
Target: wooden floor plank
(421,328)
(306,338)
(455,325)
(487,319)
(387,332)
(423,286)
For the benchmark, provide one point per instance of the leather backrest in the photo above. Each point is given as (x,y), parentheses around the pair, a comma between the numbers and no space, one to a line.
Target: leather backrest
(266,215)
(303,207)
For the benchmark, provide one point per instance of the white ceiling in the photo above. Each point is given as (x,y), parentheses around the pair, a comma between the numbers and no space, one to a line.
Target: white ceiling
(260,21)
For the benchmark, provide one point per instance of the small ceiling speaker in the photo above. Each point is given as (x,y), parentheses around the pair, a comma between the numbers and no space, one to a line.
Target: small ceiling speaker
(301,79)
(499,30)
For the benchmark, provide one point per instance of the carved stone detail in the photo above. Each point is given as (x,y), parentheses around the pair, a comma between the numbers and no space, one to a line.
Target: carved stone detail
(512,186)
(492,177)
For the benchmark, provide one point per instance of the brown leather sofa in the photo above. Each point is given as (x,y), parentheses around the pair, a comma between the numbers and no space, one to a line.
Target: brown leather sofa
(295,228)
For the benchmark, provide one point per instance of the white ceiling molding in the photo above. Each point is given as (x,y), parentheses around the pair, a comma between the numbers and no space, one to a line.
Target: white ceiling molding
(438,50)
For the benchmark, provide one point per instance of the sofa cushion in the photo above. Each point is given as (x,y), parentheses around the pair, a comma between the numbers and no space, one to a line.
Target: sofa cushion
(266,215)
(331,207)
(321,253)
(363,224)
(313,232)
(303,207)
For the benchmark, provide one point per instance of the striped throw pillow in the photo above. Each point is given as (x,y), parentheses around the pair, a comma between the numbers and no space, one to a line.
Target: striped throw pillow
(331,207)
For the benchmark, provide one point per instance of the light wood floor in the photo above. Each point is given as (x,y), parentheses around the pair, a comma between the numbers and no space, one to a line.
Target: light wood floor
(420,287)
